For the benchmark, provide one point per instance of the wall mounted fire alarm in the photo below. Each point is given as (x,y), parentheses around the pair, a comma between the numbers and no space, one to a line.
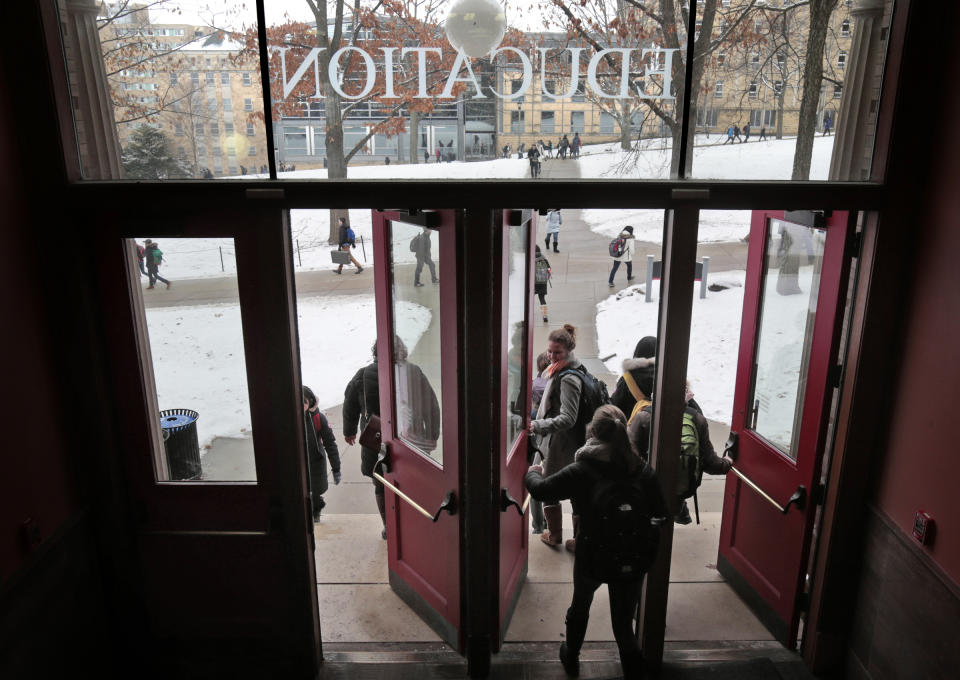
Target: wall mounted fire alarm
(923,527)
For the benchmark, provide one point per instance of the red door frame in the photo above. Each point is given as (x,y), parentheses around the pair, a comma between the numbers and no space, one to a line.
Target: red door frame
(774,590)
(423,556)
(512,527)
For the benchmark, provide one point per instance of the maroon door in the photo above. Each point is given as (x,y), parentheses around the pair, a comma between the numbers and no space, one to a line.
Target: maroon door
(516,343)
(417,357)
(795,289)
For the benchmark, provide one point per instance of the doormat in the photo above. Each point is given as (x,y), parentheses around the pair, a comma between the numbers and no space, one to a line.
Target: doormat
(754,669)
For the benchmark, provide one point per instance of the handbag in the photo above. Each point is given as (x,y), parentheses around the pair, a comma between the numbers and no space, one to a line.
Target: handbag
(370,437)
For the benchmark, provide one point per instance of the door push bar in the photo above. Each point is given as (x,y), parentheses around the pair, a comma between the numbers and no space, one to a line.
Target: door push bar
(506,500)
(798,498)
(449,501)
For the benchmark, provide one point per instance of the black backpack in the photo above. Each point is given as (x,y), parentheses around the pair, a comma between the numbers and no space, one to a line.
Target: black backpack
(621,540)
(593,395)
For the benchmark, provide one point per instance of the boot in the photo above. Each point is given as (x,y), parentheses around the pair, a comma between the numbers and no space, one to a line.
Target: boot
(570,650)
(536,516)
(571,544)
(553,536)
(547,243)
(382,508)
(683,517)
(543,311)
(632,665)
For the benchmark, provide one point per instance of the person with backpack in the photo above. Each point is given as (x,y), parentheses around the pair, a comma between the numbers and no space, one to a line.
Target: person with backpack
(636,383)
(361,400)
(554,220)
(154,258)
(621,250)
(697,454)
(618,499)
(347,240)
(570,397)
(420,246)
(325,449)
(541,277)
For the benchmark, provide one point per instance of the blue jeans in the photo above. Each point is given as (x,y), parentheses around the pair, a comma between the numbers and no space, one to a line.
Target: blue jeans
(154,276)
(616,266)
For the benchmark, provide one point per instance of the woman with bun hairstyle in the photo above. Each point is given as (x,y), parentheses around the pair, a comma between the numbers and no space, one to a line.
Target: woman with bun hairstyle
(606,455)
(557,418)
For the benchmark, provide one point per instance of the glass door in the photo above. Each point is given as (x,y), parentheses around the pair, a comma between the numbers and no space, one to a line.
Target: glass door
(794,295)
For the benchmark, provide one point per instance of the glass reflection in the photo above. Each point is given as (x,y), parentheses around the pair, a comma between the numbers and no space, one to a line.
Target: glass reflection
(791,283)
(517,242)
(417,341)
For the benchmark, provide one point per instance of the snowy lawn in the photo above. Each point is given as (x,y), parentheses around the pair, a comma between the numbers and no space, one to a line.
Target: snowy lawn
(198,355)
(624,318)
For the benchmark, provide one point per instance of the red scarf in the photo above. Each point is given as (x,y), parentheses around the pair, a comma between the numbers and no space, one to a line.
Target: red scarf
(556,367)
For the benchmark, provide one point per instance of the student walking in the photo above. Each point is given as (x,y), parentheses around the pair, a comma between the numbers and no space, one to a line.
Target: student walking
(420,245)
(826,126)
(746,132)
(557,417)
(533,155)
(729,139)
(576,144)
(361,401)
(606,477)
(324,449)
(541,277)
(347,241)
(621,250)
(554,220)
(141,253)
(763,134)
(736,133)
(154,257)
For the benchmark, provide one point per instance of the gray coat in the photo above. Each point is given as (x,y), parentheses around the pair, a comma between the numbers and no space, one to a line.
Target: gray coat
(556,418)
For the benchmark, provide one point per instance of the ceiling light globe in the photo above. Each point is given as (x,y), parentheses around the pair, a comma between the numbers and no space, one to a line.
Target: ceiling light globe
(476,26)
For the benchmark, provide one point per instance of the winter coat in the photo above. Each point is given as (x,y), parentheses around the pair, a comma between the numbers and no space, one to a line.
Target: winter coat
(418,411)
(541,287)
(316,460)
(422,249)
(642,371)
(554,220)
(344,239)
(557,418)
(152,257)
(326,438)
(595,461)
(361,399)
(639,433)
(627,255)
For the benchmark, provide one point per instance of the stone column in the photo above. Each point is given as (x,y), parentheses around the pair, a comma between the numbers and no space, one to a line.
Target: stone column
(856,121)
(89,91)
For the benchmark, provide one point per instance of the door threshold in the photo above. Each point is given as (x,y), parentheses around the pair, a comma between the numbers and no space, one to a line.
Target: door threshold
(534,652)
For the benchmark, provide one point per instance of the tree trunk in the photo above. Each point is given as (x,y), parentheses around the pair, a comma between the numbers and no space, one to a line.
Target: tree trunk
(780,97)
(820,11)
(414,142)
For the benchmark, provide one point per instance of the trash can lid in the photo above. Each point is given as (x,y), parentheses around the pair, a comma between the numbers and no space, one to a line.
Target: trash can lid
(177,420)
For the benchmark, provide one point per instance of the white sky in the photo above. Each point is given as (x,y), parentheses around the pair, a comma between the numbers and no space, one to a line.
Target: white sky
(232,14)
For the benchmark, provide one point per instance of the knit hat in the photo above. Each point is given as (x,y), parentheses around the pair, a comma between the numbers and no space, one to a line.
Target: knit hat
(644,379)
(646,348)
(628,228)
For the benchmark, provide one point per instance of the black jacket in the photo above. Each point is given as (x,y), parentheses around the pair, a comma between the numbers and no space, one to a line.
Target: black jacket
(363,388)
(639,433)
(595,461)
(316,460)
(326,438)
(642,371)
(344,240)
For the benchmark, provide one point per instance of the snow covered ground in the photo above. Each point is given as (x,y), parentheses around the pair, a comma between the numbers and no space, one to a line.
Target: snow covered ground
(198,355)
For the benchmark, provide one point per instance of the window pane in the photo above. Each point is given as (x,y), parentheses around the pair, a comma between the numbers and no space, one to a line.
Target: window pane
(788,308)
(517,242)
(195,334)
(416,327)
(547,81)
(771,60)
(128,66)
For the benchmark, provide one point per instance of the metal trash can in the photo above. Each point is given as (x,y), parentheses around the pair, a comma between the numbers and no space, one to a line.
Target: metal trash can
(181,443)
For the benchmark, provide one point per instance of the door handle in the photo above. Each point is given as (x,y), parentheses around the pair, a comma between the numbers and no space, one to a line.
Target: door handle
(506,500)
(732,448)
(799,497)
(449,502)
